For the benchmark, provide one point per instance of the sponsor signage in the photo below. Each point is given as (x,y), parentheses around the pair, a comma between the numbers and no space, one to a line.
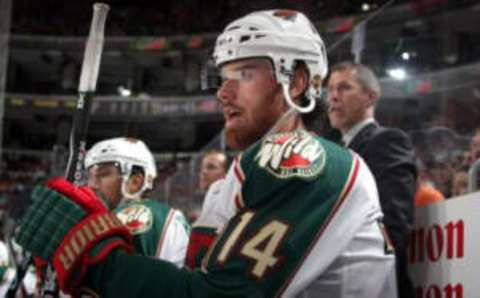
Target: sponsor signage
(443,253)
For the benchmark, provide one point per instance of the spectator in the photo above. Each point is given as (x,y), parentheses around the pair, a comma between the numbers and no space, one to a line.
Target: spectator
(213,167)
(441,172)
(426,193)
(442,150)
(460,182)
(353,92)
(475,146)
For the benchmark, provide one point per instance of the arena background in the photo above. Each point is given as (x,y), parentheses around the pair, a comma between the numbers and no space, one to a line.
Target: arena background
(425,51)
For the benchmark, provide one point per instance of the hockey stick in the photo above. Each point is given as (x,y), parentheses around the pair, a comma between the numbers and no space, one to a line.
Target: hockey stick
(78,134)
(81,116)
(86,90)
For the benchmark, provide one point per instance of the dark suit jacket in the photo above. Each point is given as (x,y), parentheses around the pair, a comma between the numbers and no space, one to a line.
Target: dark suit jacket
(389,154)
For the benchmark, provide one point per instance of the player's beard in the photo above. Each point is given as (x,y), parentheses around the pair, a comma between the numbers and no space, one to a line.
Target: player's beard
(238,140)
(255,127)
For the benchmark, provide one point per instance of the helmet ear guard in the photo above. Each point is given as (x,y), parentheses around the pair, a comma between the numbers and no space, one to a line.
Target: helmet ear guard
(283,36)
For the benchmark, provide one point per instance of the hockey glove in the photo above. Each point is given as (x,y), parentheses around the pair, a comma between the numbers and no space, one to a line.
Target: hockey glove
(70,227)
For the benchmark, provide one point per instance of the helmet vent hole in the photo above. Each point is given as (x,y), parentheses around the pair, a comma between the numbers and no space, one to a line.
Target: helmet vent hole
(233,28)
(253,29)
(258,36)
(245,38)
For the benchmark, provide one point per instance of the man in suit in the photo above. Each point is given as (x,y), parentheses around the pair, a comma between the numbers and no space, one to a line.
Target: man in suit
(353,92)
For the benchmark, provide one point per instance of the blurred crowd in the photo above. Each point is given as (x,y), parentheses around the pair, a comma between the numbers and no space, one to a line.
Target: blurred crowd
(154,18)
(18,175)
(162,18)
(445,160)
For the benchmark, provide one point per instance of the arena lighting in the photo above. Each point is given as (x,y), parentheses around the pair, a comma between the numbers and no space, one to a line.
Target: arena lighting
(406,56)
(365,7)
(124,91)
(397,73)
(476,92)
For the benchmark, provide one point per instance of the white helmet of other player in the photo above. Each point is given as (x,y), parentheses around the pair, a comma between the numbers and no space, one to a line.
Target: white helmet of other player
(283,36)
(127,153)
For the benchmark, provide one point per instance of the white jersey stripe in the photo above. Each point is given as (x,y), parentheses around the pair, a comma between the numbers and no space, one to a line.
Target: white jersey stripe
(343,195)
(169,219)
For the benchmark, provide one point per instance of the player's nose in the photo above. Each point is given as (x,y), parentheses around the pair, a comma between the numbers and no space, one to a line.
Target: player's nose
(227,91)
(92,182)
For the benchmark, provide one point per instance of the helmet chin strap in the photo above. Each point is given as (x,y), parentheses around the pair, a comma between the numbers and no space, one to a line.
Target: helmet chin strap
(294,109)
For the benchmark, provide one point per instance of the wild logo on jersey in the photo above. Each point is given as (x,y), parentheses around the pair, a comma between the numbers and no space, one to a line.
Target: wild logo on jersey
(137,218)
(292,154)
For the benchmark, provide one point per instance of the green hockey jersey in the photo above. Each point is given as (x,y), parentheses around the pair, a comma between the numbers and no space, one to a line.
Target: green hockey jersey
(158,230)
(299,217)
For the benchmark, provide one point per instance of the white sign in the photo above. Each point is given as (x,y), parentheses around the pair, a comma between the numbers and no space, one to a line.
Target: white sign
(444,252)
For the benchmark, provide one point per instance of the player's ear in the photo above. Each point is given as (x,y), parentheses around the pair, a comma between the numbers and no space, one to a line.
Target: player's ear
(136,182)
(299,82)
(372,98)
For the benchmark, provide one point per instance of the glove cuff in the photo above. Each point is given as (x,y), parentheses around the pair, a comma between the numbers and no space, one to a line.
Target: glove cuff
(99,233)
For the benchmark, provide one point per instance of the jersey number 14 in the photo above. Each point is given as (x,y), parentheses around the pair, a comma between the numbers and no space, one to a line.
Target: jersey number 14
(264,256)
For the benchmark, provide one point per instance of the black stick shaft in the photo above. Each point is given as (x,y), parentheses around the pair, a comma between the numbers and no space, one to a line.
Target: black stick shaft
(78,135)
(74,170)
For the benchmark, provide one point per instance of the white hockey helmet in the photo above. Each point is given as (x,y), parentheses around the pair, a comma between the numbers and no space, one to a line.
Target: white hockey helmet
(283,36)
(127,152)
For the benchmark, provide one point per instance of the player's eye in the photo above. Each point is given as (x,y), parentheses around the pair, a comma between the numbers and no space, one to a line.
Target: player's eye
(245,74)
(102,174)
(238,75)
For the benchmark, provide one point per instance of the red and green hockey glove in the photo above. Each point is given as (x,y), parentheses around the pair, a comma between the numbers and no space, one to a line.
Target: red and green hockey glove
(70,227)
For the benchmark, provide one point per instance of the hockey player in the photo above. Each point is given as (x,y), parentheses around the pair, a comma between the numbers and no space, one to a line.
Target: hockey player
(213,168)
(7,272)
(300,216)
(121,170)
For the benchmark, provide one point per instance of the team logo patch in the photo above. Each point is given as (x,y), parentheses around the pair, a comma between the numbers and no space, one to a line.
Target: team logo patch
(137,218)
(286,14)
(293,154)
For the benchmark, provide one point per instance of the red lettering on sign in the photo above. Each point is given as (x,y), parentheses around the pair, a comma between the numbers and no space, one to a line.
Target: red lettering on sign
(436,291)
(437,242)
(452,230)
(434,243)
